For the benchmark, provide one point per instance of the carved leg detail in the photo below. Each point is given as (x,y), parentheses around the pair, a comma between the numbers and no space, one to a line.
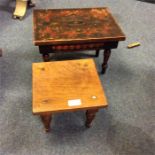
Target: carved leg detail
(97,53)
(46,119)
(90,115)
(46,57)
(106,56)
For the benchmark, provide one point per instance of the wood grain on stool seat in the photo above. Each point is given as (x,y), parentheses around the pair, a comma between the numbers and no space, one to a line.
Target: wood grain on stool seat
(54,83)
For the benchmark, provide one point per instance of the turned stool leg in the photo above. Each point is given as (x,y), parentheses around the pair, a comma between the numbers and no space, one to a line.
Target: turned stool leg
(46,119)
(97,53)
(106,57)
(90,115)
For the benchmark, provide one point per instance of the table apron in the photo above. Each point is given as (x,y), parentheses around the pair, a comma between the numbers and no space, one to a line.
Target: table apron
(77,47)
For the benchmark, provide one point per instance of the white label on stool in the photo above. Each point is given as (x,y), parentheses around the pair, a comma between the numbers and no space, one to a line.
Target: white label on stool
(75,102)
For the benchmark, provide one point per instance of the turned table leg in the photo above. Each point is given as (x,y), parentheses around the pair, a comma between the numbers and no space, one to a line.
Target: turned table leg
(45,50)
(46,57)
(90,115)
(46,119)
(97,53)
(106,57)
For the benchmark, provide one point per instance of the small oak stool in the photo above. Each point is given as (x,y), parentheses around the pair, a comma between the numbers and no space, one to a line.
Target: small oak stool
(64,86)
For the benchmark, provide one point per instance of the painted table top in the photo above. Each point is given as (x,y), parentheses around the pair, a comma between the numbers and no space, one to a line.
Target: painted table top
(58,26)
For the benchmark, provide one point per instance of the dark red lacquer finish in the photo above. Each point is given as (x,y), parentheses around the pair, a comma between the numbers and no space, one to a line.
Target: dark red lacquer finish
(61,25)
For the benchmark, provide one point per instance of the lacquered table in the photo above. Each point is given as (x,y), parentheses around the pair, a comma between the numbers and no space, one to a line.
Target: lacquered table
(65,86)
(63,30)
